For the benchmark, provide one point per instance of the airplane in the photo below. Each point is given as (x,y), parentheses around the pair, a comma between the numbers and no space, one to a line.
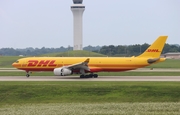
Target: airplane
(64,66)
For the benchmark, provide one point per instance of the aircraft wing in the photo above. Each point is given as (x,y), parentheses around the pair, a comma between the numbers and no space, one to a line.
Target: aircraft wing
(81,65)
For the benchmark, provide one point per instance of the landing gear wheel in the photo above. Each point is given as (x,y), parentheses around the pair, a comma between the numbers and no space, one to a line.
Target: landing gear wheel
(91,75)
(95,75)
(27,75)
(82,76)
(86,76)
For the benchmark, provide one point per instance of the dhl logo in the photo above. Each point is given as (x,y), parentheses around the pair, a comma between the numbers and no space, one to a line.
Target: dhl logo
(42,63)
(152,50)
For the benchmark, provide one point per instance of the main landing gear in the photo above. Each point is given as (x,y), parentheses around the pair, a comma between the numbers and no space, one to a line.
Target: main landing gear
(89,76)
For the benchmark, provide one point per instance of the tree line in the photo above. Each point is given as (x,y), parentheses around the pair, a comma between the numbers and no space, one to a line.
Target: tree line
(111,50)
(134,50)
(38,51)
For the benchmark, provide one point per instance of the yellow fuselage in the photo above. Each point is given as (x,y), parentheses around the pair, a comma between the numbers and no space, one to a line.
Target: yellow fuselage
(96,64)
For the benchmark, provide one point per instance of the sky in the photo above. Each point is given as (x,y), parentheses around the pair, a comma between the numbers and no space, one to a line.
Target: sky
(49,23)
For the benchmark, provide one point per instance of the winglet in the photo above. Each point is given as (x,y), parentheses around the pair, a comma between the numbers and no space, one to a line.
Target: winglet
(87,60)
(156,48)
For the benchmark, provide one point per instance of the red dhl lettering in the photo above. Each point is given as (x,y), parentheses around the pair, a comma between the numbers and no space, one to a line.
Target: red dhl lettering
(152,50)
(32,62)
(52,63)
(41,63)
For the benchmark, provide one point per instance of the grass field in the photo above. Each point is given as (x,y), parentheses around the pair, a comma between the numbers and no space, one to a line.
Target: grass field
(166,108)
(6,61)
(168,63)
(88,92)
(75,53)
(126,98)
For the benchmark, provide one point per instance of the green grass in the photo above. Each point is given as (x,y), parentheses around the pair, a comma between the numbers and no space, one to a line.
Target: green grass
(167,108)
(77,53)
(88,92)
(168,63)
(6,61)
(82,98)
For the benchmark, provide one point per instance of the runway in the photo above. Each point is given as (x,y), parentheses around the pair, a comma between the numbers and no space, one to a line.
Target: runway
(100,78)
(136,70)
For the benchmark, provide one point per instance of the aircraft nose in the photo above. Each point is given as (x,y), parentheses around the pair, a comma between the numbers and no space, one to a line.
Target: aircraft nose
(15,64)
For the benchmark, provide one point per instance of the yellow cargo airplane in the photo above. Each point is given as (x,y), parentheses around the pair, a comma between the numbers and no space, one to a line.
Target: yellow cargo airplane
(63,66)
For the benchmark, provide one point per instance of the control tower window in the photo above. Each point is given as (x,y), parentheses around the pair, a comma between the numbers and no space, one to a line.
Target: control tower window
(77,1)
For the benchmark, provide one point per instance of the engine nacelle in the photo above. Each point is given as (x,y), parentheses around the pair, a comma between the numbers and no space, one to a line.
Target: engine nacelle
(62,71)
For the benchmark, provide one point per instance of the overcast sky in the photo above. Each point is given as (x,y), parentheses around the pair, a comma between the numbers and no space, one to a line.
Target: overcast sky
(49,23)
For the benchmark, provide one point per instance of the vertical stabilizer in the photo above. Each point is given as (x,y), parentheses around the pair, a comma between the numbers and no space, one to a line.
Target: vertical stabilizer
(156,48)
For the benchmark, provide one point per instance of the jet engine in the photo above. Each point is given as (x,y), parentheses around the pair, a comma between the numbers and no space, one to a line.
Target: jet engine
(62,71)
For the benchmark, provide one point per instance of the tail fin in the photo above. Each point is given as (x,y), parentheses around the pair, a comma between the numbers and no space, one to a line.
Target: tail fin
(156,48)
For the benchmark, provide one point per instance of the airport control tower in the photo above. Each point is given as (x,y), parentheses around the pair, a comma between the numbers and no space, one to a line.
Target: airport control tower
(77,9)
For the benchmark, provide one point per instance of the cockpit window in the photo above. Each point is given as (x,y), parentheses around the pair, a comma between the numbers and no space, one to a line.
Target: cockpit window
(17,61)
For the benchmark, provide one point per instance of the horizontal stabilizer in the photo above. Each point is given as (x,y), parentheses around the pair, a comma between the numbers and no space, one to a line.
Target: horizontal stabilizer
(150,61)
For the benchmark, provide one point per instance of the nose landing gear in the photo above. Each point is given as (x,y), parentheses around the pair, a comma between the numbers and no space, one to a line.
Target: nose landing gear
(27,74)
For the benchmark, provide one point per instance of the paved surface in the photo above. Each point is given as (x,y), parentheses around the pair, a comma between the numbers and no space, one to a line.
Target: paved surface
(137,70)
(101,78)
